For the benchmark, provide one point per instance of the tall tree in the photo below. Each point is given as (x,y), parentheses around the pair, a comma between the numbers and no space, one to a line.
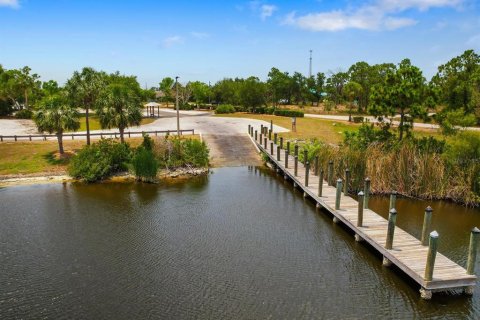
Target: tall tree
(335,84)
(200,92)
(119,104)
(353,92)
(315,86)
(55,115)
(83,91)
(252,93)
(28,83)
(166,86)
(280,84)
(404,91)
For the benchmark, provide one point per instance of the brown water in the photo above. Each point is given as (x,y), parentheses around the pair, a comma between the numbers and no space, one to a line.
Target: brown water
(239,244)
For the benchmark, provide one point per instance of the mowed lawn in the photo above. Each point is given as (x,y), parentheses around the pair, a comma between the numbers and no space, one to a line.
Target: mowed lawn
(95,123)
(329,131)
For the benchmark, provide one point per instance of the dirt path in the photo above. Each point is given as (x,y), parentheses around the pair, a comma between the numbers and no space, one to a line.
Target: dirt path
(231,151)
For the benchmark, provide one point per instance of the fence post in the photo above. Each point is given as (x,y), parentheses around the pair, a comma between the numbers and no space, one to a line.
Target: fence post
(366,190)
(393,199)
(472,250)
(339,194)
(320,183)
(427,220)
(281,142)
(307,171)
(1,137)
(360,209)
(44,138)
(30,137)
(330,173)
(295,166)
(392,218)
(432,253)
(347,182)
(15,137)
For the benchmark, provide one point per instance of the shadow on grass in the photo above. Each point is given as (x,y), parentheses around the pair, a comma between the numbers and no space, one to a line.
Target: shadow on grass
(53,159)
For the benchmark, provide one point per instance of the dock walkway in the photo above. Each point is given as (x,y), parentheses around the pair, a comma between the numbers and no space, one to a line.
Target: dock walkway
(407,252)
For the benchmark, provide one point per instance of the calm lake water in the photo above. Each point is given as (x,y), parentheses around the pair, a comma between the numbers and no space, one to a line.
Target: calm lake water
(238,244)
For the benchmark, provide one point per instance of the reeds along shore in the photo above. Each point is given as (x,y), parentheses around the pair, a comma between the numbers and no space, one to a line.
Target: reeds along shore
(404,169)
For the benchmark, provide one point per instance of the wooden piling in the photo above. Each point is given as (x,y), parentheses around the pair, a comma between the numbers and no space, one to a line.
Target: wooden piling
(256,135)
(360,209)
(278,153)
(288,147)
(366,191)
(265,142)
(427,221)
(330,173)
(271,148)
(295,150)
(432,253)
(472,250)
(392,218)
(286,158)
(271,125)
(275,137)
(338,194)
(347,182)
(393,199)
(281,142)
(320,183)
(295,166)
(307,172)
(316,165)
(269,134)
(305,156)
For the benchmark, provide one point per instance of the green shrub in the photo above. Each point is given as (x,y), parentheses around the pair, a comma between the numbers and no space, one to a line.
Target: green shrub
(196,153)
(100,160)
(24,114)
(224,108)
(289,113)
(358,119)
(175,152)
(144,165)
(185,106)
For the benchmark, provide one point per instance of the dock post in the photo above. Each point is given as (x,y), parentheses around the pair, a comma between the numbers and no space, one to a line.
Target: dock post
(432,253)
(265,143)
(271,148)
(278,153)
(360,209)
(271,125)
(275,138)
(305,157)
(339,194)
(347,182)
(307,171)
(261,138)
(286,158)
(472,250)
(281,142)
(392,218)
(393,199)
(269,134)
(330,173)
(288,147)
(316,165)
(366,191)
(261,129)
(320,183)
(295,166)
(295,150)
(256,135)
(249,126)
(427,220)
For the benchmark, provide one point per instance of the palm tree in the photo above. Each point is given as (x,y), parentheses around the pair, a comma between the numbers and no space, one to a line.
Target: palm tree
(119,107)
(166,86)
(84,89)
(55,116)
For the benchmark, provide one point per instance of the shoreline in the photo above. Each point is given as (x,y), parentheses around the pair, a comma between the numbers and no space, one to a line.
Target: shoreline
(49,177)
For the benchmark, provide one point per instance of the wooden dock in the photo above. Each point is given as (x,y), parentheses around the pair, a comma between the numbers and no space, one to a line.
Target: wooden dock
(407,252)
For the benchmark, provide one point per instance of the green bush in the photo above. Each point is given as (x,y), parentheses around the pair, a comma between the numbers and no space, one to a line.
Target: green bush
(185,106)
(358,119)
(224,108)
(196,153)
(24,114)
(175,152)
(100,160)
(289,113)
(144,165)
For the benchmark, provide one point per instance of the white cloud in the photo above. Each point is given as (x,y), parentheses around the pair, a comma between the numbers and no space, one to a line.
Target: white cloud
(9,3)
(378,15)
(200,35)
(171,41)
(267,11)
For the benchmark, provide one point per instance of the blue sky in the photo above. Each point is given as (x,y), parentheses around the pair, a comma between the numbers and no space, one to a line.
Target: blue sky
(210,40)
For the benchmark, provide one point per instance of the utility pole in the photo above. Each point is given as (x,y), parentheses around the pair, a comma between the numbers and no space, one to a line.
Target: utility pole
(310,67)
(178,112)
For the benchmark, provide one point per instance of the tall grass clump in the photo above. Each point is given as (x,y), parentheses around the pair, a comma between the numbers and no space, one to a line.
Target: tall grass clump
(175,152)
(144,164)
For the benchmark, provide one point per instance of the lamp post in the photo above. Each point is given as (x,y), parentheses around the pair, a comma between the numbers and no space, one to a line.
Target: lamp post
(178,112)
